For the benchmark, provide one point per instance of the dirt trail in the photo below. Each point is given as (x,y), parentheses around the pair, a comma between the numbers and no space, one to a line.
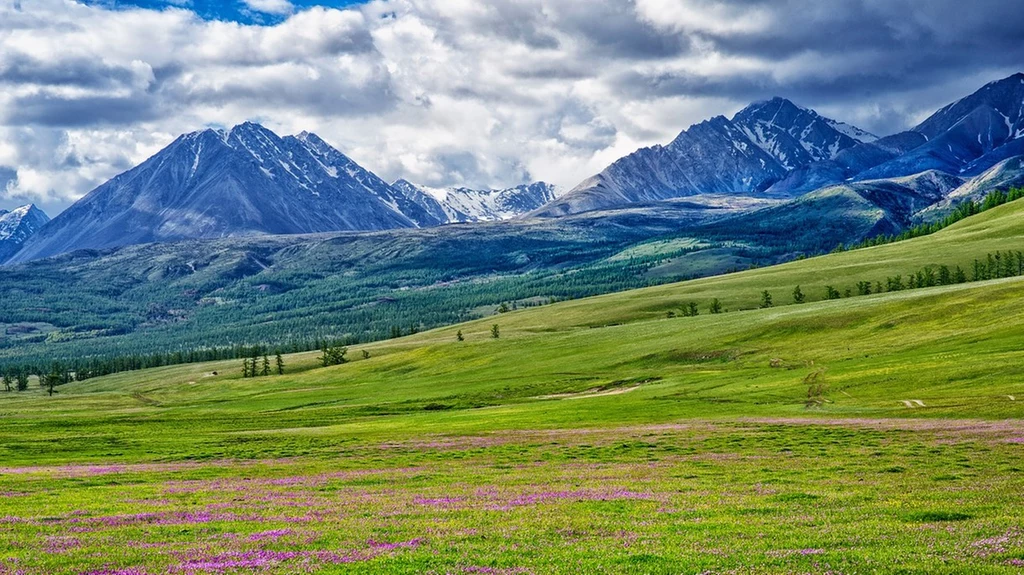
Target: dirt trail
(586,394)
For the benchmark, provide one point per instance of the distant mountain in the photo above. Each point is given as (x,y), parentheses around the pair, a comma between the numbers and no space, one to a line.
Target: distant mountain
(968,136)
(216,183)
(744,156)
(778,149)
(17,226)
(965,138)
(460,205)
(1005,175)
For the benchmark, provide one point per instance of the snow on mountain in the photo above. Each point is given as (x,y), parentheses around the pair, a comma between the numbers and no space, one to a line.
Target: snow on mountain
(17,226)
(794,135)
(968,136)
(453,205)
(216,183)
(743,156)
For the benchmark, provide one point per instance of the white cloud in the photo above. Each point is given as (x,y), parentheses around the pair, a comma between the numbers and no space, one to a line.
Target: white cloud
(460,92)
(271,6)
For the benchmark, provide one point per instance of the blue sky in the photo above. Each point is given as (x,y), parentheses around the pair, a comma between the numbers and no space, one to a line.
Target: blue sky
(228,10)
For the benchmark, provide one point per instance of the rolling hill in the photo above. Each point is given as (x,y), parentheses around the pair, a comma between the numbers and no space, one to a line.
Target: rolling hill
(872,432)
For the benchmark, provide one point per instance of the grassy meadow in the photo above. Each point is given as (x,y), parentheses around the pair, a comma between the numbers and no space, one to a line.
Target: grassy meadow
(869,434)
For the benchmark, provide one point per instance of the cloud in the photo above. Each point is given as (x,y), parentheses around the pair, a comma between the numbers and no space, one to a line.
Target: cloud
(270,6)
(462,92)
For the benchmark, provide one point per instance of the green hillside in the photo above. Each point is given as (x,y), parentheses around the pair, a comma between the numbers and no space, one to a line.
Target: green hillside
(870,434)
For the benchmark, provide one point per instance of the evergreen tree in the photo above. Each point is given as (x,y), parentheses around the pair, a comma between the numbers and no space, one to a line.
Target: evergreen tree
(333,355)
(50,381)
(280,364)
(459,336)
(766,299)
(798,295)
(21,379)
(959,276)
(715,307)
(366,354)
(831,293)
(945,276)
(495,332)
(8,381)
(266,366)
(503,308)
(692,308)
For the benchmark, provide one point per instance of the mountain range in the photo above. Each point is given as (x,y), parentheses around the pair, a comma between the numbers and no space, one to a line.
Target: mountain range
(779,149)
(462,205)
(249,181)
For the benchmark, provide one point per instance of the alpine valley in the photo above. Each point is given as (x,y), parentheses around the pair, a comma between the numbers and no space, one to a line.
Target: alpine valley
(238,237)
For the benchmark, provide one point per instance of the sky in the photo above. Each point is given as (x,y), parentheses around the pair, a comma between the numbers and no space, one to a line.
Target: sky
(462,92)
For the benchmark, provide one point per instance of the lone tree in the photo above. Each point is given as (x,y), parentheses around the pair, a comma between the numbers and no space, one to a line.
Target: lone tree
(459,336)
(716,306)
(280,364)
(766,299)
(495,333)
(52,380)
(366,354)
(798,295)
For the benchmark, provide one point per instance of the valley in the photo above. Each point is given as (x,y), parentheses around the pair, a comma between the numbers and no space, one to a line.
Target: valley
(847,434)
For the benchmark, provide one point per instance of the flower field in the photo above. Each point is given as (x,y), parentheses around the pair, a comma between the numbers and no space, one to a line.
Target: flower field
(770,496)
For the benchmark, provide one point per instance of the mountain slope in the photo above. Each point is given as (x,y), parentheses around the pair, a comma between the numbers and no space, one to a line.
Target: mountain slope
(744,156)
(17,226)
(215,184)
(462,205)
(968,136)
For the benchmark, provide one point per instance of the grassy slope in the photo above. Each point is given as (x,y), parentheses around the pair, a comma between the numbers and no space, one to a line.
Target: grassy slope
(956,349)
(434,456)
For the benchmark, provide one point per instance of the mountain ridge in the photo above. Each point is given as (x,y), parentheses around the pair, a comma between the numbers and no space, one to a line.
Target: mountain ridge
(217,183)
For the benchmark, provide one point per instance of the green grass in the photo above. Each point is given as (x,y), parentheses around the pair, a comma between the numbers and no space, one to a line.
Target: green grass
(875,434)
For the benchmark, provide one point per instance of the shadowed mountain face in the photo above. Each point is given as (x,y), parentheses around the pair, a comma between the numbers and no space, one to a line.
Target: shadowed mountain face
(968,136)
(212,184)
(742,156)
(17,226)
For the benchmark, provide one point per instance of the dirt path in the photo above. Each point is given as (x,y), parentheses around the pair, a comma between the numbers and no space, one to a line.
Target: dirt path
(587,394)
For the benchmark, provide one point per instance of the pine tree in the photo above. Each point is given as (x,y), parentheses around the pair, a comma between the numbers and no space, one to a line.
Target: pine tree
(459,336)
(266,366)
(280,364)
(21,380)
(495,332)
(366,354)
(716,306)
(831,293)
(798,295)
(766,299)
(692,308)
